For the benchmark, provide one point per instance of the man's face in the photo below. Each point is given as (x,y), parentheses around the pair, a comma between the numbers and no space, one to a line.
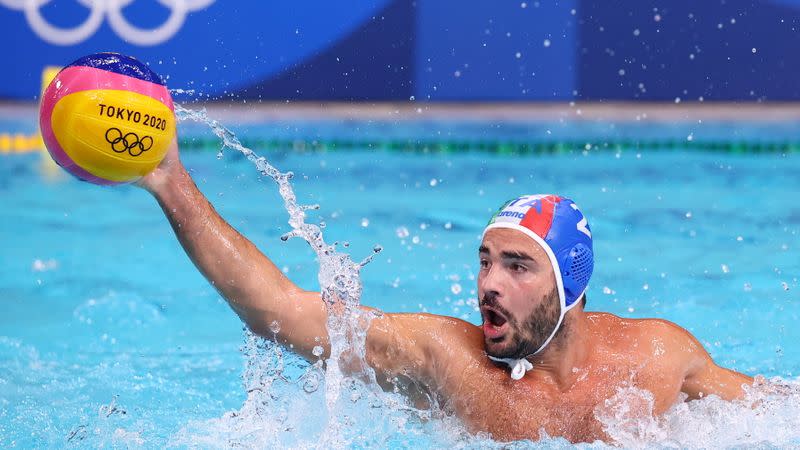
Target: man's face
(517,292)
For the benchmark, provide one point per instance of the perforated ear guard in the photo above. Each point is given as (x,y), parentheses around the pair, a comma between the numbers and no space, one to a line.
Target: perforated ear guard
(576,270)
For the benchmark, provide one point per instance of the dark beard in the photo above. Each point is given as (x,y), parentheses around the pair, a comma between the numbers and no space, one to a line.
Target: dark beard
(535,329)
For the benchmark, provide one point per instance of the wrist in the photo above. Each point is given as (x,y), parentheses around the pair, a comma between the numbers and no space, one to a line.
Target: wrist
(163,178)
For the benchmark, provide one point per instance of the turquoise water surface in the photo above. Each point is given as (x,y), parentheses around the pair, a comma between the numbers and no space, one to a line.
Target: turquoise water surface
(109,336)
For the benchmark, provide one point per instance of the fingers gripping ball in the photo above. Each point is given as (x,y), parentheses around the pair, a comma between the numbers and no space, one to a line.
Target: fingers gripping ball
(107,119)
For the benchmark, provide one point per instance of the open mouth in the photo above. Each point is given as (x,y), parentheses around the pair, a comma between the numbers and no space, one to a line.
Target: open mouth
(495,324)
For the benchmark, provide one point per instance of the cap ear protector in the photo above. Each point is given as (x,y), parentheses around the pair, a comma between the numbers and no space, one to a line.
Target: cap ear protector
(577,269)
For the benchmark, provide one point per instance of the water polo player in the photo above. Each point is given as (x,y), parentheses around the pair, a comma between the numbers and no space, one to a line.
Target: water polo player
(539,362)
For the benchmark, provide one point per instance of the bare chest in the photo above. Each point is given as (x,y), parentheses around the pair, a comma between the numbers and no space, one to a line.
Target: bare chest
(513,410)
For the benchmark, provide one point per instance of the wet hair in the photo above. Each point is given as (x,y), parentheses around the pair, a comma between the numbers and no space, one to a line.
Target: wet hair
(584,301)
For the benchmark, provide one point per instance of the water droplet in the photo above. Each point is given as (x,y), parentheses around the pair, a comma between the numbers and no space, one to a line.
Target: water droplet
(311,383)
(546,43)
(275,326)
(317,350)
(455,288)
(364,222)
(401,232)
(645,287)
(433,182)
(415,239)
(377,248)
(748,287)
(725,268)
(785,285)
(448,225)
(688,214)
(608,291)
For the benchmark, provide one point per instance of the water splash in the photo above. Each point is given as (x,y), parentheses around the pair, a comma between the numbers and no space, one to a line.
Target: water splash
(340,285)
(767,417)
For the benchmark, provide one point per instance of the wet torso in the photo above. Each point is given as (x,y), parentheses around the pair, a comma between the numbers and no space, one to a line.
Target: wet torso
(629,372)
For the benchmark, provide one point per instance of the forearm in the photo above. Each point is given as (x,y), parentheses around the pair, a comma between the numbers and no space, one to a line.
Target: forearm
(248,280)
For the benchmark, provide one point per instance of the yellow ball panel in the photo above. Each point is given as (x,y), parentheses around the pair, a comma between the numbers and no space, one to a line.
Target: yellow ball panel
(116,135)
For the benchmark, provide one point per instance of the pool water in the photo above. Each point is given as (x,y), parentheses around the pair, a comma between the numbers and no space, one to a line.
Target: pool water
(110,337)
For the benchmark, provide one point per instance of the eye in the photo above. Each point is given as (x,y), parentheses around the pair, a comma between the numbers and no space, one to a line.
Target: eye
(517,267)
(484,263)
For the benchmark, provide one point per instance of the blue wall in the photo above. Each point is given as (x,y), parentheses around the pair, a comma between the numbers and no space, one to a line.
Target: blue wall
(426,49)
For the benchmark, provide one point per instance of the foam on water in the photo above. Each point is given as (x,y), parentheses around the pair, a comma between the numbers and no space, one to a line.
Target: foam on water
(767,417)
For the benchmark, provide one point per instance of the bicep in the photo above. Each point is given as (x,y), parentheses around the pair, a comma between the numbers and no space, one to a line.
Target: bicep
(685,357)
(298,320)
(415,346)
(711,379)
(704,377)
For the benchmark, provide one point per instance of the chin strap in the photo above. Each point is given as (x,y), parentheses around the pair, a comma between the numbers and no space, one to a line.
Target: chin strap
(518,366)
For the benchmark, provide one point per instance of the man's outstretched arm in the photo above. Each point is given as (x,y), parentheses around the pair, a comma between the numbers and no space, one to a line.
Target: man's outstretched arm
(254,287)
(261,294)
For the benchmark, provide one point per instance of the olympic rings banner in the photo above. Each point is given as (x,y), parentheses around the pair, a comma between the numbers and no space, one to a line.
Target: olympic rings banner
(421,50)
(99,10)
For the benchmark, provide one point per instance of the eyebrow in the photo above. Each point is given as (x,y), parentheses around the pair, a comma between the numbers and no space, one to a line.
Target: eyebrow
(521,256)
(516,255)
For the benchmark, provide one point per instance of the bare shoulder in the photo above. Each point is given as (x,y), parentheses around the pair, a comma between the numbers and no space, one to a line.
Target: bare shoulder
(652,336)
(670,353)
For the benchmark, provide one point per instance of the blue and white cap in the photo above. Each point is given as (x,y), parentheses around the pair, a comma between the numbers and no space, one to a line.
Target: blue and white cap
(559,227)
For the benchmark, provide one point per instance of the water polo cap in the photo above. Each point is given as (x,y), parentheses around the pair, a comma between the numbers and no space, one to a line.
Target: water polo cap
(558,226)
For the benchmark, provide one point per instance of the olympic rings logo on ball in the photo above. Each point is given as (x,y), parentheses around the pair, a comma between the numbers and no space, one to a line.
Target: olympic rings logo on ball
(129,142)
(179,9)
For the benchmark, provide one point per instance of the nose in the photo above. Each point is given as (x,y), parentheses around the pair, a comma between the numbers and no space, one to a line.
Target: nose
(490,281)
